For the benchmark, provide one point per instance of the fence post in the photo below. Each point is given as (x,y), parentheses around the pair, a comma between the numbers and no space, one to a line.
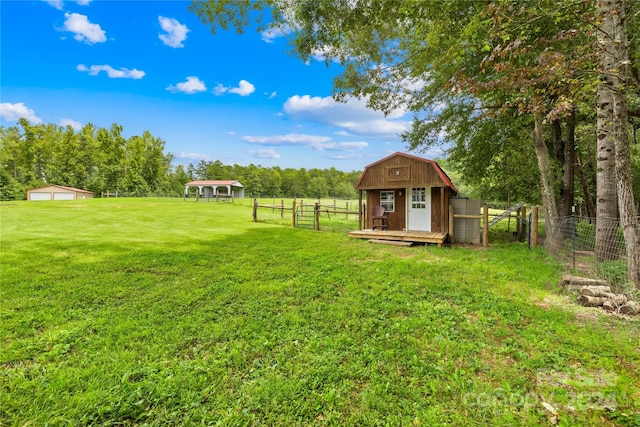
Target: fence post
(574,235)
(452,225)
(523,224)
(360,210)
(534,226)
(316,213)
(281,208)
(364,215)
(485,225)
(293,214)
(255,210)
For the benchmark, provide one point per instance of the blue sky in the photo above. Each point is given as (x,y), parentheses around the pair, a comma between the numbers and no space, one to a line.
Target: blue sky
(152,65)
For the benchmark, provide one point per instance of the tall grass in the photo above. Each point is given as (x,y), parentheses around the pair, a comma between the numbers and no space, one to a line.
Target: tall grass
(172,312)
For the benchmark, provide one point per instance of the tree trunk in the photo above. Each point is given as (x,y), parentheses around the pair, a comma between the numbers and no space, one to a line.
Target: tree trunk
(588,200)
(631,308)
(614,303)
(550,206)
(596,291)
(606,206)
(613,126)
(569,167)
(587,301)
(626,202)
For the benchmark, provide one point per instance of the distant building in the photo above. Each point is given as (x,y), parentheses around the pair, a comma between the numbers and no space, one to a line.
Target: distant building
(229,188)
(58,192)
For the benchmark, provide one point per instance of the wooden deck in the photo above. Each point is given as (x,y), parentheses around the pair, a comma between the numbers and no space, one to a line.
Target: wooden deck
(400,236)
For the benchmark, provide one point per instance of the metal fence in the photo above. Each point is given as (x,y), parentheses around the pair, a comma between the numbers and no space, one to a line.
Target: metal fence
(577,249)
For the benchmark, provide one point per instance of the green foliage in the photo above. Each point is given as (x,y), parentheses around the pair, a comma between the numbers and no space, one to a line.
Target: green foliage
(101,160)
(93,159)
(147,312)
(473,73)
(10,189)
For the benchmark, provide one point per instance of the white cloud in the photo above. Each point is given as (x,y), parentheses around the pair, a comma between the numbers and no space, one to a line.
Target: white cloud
(192,85)
(271,95)
(176,32)
(268,153)
(315,142)
(220,89)
(353,117)
(289,139)
(346,146)
(191,156)
(68,122)
(323,54)
(122,73)
(84,30)
(13,112)
(58,4)
(268,36)
(347,156)
(244,88)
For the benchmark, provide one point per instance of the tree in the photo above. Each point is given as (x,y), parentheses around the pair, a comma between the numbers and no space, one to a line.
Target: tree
(155,164)
(448,61)
(10,138)
(10,189)
(318,187)
(178,179)
(614,154)
(66,167)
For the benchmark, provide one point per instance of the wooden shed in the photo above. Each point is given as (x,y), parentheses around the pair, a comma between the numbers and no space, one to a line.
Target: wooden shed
(415,193)
(58,192)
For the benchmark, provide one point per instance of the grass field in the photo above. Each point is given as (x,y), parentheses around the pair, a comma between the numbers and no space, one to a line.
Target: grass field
(171,312)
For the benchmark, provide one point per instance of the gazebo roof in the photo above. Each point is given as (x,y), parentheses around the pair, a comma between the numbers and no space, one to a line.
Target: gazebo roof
(232,183)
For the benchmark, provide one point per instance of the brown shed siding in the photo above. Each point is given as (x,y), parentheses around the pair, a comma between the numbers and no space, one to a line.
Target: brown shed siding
(439,217)
(401,172)
(396,218)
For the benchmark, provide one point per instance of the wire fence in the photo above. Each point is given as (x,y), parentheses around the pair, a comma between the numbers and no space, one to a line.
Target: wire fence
(578,250)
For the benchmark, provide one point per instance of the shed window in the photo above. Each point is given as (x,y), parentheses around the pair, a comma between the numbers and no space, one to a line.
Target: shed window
(388,200)
(418,198)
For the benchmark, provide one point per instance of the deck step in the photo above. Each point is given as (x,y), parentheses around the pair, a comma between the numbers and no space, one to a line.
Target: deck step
(390,242)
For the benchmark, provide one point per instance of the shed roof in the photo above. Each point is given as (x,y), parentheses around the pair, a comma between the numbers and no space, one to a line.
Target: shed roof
(215,182)
(436,167)
(77,190)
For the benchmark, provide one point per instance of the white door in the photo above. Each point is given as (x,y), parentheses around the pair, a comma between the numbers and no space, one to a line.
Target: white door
(419,209)
(63,196)
(39,196)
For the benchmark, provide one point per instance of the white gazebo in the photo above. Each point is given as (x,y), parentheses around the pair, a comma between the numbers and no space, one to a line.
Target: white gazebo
(229,188)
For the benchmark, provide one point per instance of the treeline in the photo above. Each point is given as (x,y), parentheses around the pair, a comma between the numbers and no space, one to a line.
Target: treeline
(102,160)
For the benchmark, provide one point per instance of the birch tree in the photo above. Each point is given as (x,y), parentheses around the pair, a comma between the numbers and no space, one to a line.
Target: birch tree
(614,151)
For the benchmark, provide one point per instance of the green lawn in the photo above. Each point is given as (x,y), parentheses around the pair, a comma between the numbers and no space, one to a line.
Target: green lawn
(172,312)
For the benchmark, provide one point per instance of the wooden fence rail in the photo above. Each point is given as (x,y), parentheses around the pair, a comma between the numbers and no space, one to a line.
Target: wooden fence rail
(301,208)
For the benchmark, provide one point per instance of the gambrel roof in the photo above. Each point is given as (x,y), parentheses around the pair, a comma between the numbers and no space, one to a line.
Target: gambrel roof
(401,170)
